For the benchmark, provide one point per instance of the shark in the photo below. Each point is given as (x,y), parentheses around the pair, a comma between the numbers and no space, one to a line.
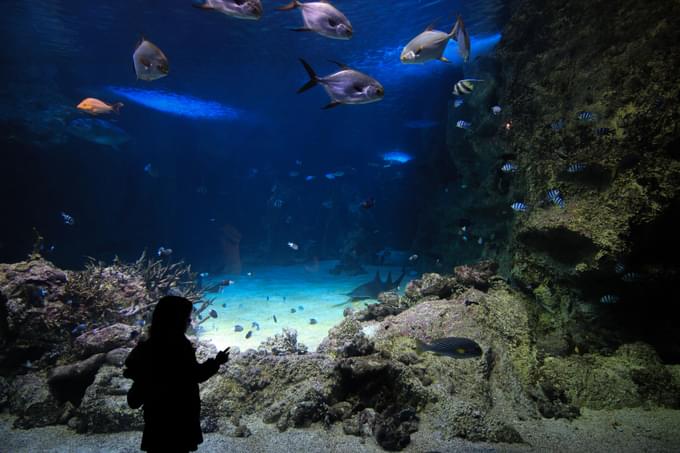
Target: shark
(370,290)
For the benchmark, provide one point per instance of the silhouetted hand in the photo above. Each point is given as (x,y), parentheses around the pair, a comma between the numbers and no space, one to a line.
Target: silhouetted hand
(222,357)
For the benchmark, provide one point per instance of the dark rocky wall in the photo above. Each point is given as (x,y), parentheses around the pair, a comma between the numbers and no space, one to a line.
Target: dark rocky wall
(619,61)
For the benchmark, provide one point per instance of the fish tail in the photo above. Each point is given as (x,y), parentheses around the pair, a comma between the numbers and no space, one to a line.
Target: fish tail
(420,346)
(292,5)
(454,30)
(116,106)
(313,79)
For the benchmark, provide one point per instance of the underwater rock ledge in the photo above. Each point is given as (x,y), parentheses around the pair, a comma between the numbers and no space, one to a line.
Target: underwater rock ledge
(368,375)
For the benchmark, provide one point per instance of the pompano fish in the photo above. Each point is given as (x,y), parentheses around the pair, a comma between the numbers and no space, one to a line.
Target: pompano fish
(240,9)
(461,36)
(98,131)
(322,18)
(150,61)
(429,45)
(94,106)
(346,86)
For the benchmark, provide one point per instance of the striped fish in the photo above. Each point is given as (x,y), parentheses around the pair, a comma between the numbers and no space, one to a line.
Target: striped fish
(609,299)
(586,116)
(509,167)
(518,206)
(576,167)
(463,124)
(457,103)
(555,197)
(631,277)
(619,268)
(558,125)
(465,86)
(602,131)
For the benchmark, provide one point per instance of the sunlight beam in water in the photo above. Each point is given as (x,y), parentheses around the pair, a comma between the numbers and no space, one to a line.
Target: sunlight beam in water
(178,104)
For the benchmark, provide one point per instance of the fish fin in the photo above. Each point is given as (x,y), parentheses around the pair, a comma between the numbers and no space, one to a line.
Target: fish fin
(420,346)
(342,65)
(456,26)
(292,5)
(301,29)
(116,106)
(201,4)
(330,105)
(313,79)
(444,59)
(430,27)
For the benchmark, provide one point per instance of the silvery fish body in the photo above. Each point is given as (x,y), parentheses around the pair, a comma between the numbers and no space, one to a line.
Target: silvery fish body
(346,86)
(427,46)
(322,18)
(98,131)
(149,61)
(239,9)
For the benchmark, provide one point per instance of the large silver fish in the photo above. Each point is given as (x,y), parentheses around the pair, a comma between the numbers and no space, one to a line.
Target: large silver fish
(346,86)
(98,131)
(461,36)
(150,62)
(240,9)
(429,45)
(322,18)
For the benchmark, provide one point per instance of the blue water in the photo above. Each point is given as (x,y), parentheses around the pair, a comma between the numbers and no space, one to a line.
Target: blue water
(230,142)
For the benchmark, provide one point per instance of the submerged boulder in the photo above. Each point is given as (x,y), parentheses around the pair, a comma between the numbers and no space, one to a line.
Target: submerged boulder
(105,339)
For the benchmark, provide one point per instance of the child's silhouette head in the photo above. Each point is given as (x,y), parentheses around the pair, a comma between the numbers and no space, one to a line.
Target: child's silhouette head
(171,317)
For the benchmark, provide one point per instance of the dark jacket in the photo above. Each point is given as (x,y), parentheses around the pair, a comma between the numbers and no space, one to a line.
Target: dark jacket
(166,376)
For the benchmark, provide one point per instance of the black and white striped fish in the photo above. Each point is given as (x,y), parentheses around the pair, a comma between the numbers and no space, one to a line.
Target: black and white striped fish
(620,268)
(463,124)
(576,167)
(602,131)
(465,86)
(518,206)
(558,125)
(609,299)
(586,116)
(631,277)
(555,197)
(509,167)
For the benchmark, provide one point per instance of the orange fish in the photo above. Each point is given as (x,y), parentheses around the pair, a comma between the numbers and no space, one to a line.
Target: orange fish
(96,107)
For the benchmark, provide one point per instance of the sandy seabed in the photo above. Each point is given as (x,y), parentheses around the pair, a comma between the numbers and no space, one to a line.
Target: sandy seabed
(624,430)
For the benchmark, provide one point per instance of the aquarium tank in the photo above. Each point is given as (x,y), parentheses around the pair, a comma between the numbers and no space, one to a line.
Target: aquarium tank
(418,225)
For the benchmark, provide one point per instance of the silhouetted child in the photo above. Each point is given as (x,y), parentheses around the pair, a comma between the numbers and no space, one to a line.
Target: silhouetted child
(166,376)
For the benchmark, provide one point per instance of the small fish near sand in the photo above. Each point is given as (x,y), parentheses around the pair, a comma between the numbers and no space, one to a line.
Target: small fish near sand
(454,347)
(149,61)
(255,325)
(346,86)
(213,314)
(238,328)
(292,310)
(249,334)
(239,9)
(322,18)
(428,45)
(95,107)
(312,321)
(465,86)
(274,318)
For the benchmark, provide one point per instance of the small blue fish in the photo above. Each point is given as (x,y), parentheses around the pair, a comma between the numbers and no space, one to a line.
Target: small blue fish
(238,328)
(255,325)
(457,103)
(163,252)
(249,334)
(278,203)
(558,125)
(330,176)
(509,167)
(576,167)
(43,292)
(310,178)
(203,274)
(274,318)
(518,206)
(301,308)
(292,310)
(619,268)
(463,124)
(586,116)
(555,197)
(609,299)
(68,220)
(631,277)
(312,321)
(602,131)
